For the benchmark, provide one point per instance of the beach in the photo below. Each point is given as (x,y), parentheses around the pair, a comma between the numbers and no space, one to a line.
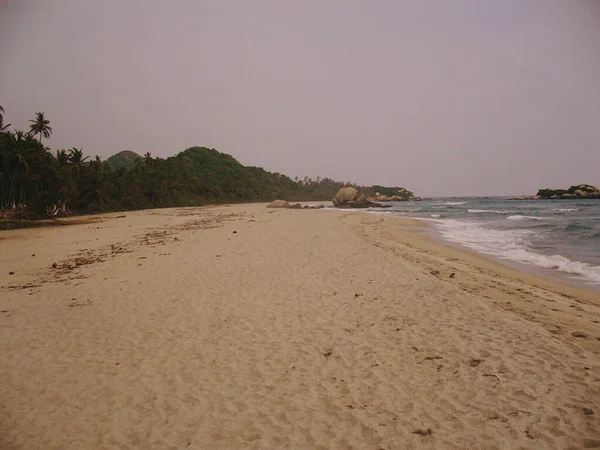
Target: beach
(239,326)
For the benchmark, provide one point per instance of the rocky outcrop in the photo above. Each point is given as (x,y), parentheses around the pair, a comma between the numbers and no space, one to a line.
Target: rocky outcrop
(392,194)
(344,195)
(574,192)
(278,204)
(350,198)
(286,205)
(393,198)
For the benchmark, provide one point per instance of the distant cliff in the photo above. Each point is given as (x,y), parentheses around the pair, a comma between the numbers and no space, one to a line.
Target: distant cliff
(580,191)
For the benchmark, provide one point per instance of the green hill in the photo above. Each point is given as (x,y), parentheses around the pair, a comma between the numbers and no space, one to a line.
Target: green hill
(125,159)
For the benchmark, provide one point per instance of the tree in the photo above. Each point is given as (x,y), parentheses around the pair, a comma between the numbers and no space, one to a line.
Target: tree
(2,126)
(76,159)
(40,125)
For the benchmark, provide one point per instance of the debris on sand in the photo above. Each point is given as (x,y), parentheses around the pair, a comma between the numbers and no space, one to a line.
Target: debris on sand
(422,432)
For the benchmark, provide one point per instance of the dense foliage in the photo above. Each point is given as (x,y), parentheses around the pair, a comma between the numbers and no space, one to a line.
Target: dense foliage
(35,182)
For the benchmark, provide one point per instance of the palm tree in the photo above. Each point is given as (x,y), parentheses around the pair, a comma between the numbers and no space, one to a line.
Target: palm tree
(2,126)
(40,125)
(77,160)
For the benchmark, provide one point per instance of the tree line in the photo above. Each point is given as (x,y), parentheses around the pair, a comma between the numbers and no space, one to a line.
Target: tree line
(36,182)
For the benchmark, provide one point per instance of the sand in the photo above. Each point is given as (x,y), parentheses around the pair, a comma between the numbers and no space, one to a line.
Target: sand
(242,327)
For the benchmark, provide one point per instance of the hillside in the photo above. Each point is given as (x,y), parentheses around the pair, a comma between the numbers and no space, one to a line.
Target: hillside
(125,159)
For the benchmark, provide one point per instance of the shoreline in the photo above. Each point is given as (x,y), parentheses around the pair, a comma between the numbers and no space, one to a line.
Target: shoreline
(243,327)
(573,280)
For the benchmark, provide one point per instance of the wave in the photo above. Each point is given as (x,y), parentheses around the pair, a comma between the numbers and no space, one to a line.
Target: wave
(490,211)
(512,245)
(560,263)
(577,227)
(455,203)
(566,209)
(519,217)
(435,216)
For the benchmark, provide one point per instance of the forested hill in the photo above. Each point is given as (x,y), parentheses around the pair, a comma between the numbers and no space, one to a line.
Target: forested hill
(36,182)
(125,158)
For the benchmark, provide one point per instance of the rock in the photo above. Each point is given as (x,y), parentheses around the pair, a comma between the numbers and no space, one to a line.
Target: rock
(361,198)
(294,206)
(580,191)
(278,204)
(344,196)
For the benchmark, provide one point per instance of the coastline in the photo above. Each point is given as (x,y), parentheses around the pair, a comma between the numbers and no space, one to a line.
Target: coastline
(237,326)
(564,278)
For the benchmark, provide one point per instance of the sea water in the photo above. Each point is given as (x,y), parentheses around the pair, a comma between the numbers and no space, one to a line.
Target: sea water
(559,236)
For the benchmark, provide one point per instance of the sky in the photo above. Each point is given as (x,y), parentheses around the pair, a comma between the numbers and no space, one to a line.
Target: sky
(445,98)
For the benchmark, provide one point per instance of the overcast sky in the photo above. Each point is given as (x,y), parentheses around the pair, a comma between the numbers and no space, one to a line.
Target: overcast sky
(462,97)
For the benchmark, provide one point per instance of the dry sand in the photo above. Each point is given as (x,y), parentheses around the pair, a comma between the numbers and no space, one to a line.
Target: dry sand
(243,327)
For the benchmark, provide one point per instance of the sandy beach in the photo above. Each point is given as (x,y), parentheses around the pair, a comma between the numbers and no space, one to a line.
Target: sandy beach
(243,327)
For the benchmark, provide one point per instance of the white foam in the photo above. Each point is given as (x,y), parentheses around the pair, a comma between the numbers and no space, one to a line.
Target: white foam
(491,211)
(518,217)
(566,209)
(455,203)
(511,245)
(435,216)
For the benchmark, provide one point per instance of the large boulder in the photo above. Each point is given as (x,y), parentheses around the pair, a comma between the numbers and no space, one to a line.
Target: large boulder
(344,195)
(278,204)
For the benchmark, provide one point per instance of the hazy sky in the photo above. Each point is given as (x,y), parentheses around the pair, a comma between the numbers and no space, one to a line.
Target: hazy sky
(461,97)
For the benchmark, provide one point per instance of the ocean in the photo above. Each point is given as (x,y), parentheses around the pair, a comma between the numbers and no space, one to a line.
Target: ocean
(558,237)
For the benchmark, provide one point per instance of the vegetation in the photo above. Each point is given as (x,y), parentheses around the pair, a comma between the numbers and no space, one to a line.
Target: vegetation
(125,159)
(389,191)
(36,182)
(41,126)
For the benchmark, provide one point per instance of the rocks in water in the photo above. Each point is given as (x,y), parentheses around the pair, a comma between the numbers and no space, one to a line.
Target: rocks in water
(574,192)
(392,194)
(523,197)
(295,206)
(394,198)
(278,204)
(345,195)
